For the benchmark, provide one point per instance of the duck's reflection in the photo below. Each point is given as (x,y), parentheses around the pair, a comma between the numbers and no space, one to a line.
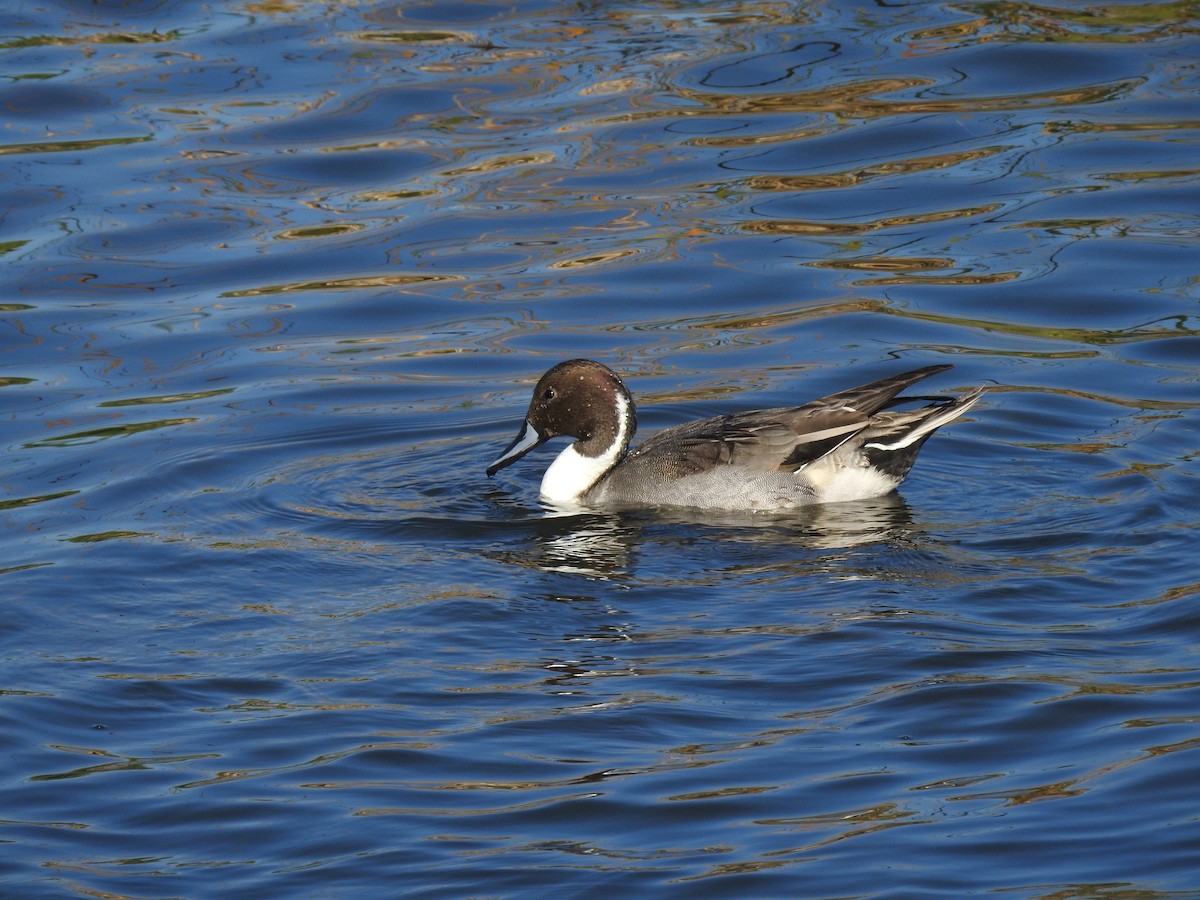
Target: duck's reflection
(600,545)
(595,546)
(822,526)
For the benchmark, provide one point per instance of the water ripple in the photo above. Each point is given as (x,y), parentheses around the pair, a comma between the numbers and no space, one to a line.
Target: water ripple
(279,278)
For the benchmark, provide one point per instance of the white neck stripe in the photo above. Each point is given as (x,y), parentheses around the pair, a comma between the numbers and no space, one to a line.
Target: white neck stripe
(572,474)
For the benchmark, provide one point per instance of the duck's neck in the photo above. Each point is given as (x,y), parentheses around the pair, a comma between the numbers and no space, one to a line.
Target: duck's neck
(577,469)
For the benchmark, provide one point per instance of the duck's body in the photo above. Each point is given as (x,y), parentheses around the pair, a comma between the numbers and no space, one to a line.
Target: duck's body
(841,447)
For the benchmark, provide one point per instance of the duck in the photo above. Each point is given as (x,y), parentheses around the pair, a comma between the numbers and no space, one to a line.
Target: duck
(851,445)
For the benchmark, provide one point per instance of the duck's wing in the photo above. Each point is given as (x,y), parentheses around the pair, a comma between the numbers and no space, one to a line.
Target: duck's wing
(764,440)
(871,398)
(771,440)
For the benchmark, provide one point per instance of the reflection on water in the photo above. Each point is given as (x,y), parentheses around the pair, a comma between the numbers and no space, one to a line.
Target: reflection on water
(601,546)
(278,275)
(820,527)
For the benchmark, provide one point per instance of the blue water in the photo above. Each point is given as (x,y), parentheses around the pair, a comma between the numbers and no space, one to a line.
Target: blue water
(277,280)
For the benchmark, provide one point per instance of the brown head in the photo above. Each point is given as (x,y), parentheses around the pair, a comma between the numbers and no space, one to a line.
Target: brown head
(580,398)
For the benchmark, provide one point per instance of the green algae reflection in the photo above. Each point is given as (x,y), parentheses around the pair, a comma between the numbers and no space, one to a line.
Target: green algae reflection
(92,435)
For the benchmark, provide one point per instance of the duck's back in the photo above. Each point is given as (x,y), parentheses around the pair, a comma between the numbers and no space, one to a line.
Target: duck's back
(746,460)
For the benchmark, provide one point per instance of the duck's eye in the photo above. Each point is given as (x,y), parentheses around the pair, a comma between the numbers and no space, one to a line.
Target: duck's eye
(549,394)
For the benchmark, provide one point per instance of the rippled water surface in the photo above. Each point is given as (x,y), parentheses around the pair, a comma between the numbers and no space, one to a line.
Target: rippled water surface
(277,279)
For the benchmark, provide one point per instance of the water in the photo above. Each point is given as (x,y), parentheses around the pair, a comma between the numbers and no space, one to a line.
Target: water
(277,280)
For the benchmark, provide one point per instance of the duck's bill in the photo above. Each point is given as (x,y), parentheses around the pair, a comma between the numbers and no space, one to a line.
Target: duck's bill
(525,441)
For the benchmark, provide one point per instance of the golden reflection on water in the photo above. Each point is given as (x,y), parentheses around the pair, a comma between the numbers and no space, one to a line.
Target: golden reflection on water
(72,146)
(416,37)
(101,537)
(499,163)
(1015,21)
(886,263)
(1092,336)
(100,37)
(594,259)
(342,284)
(869,171)
(785,226)
(865,99)
(320,231)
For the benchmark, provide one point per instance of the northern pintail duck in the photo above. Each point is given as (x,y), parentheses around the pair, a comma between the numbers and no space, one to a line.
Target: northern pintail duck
(841,447)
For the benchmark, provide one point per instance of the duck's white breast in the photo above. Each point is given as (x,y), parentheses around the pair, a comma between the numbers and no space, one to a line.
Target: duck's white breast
(572,473)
